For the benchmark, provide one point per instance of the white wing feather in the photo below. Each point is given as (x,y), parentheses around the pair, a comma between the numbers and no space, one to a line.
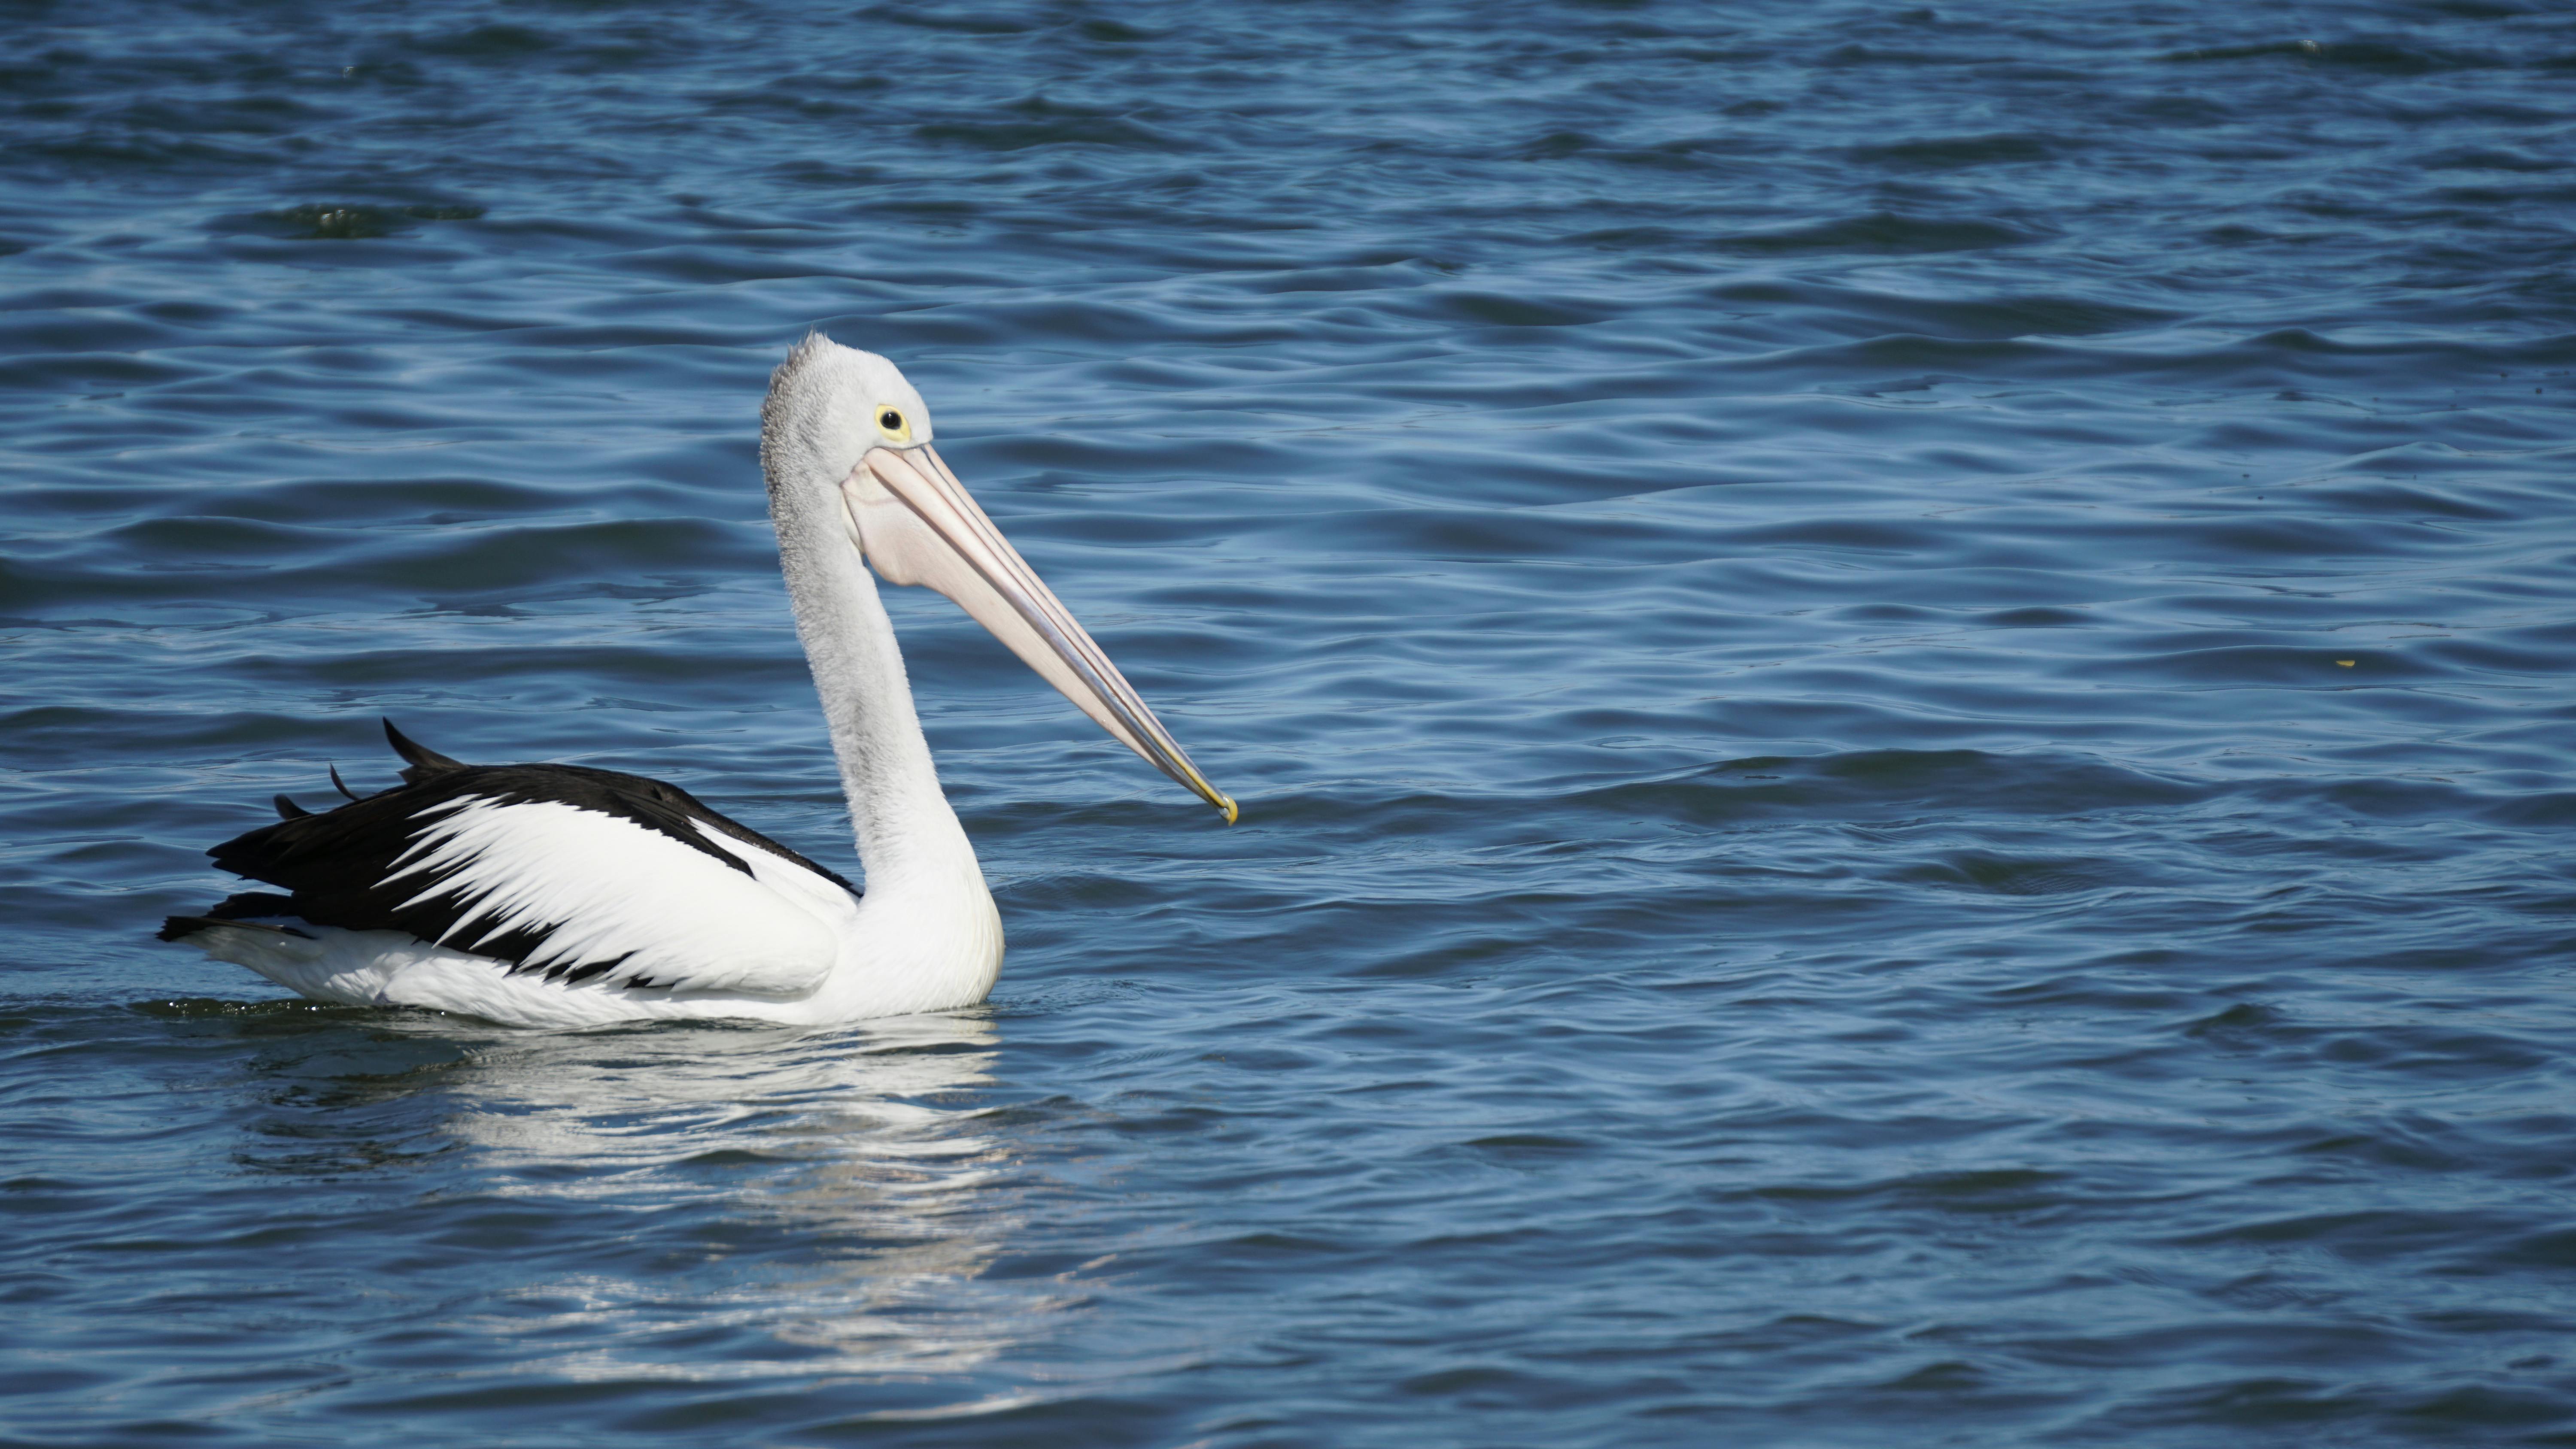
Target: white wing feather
(604,888)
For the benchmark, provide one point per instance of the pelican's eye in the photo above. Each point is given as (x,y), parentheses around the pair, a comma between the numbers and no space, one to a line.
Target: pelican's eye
(890,422)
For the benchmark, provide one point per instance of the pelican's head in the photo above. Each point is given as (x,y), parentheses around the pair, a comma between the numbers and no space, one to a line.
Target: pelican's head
(856,426)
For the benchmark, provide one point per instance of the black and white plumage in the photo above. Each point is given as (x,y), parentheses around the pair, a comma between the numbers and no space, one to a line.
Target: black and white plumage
(561,871)
(559,895)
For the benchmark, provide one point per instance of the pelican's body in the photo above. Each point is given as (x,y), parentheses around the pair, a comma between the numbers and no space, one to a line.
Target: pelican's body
(555,895)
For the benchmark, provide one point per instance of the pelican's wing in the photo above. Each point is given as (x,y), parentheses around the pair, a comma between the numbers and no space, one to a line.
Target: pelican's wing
(571,873)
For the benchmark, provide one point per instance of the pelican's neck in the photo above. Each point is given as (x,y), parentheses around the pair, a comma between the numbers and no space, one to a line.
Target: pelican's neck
(906,831)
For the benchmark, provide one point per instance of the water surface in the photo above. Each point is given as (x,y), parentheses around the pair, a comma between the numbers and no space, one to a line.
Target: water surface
(1899,679)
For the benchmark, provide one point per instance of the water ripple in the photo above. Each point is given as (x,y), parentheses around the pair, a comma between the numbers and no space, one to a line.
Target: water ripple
(1896,676)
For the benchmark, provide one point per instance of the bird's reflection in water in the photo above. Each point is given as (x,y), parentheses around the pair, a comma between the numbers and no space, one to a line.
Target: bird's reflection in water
(729,1204)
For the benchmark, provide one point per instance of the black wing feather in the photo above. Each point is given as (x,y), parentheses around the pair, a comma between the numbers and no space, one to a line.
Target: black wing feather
(234,910)
(424,762)
(336,862)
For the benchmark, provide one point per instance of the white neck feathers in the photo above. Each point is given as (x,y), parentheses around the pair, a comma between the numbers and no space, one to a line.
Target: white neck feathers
(903,822)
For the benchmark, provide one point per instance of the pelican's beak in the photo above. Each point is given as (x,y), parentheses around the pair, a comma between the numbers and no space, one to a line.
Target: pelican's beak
(917,525)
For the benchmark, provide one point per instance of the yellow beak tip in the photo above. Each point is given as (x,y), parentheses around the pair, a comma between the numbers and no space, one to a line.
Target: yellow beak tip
(1226,803)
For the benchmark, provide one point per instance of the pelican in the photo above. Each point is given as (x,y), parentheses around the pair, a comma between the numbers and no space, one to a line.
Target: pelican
(565,896)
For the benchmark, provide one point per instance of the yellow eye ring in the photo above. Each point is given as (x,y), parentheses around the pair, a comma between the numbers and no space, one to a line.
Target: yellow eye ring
(890,422)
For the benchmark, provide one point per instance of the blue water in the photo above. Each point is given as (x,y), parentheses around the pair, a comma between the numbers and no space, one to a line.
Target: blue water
(1900,681)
